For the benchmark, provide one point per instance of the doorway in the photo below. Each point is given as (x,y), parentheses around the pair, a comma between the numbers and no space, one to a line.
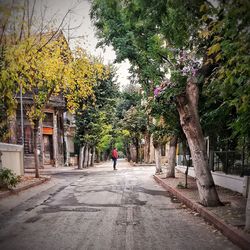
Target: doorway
(48,150)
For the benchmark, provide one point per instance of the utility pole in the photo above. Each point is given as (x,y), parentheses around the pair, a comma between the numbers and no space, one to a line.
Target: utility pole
(21,104)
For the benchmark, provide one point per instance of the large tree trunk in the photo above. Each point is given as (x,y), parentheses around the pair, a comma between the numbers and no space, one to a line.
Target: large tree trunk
(157,148)
(97,156)
(187,106)
(88,156)
(92,157)
(36,125)
(137,149)
(80,162)
(147,148)
(211,152)
(185,162)
(172,157)
(128,154)
(85,156)
(247,226)
(13,129)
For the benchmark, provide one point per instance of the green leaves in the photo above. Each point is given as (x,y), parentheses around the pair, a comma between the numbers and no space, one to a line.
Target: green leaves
(46,71)
(95,122)
(135,121)
(230,48)
(151,34)
(8,179)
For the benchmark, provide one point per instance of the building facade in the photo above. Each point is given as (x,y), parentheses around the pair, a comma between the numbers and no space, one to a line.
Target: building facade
(71,157)
(51,133)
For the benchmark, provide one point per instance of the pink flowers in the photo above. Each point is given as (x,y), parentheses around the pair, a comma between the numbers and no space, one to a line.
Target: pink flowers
(157,91)
(189,63)
(189,70)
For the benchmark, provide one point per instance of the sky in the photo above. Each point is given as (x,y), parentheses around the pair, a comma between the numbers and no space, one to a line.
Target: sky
(84,34)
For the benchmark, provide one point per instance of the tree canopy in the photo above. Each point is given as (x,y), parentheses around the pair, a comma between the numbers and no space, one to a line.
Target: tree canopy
(192,47)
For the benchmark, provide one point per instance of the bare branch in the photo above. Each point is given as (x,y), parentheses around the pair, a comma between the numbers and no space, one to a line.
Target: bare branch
(43,11)
(30,19)
(43,27)
(22,26)
(75,37)
(76,27)
(4,25)
(54,33)
(166,59)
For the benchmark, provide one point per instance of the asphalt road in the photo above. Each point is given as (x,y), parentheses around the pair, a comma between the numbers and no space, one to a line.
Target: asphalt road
(99,208)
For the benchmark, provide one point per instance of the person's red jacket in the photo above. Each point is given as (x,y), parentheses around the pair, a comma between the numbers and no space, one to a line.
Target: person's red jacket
(115,154)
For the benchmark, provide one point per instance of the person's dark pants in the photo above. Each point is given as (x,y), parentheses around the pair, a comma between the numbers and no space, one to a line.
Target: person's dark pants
(114,163)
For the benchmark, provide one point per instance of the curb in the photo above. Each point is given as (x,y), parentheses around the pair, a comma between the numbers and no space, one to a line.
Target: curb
(17,190)
(237,237)
(133,164)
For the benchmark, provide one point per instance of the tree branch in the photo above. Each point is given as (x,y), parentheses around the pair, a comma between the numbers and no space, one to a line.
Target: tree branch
(22,26)
(31,17)
(54,33)
(166,59)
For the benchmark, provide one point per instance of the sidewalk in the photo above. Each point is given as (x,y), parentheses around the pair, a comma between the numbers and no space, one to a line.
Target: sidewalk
(27,181)
(51,170)
(229,219)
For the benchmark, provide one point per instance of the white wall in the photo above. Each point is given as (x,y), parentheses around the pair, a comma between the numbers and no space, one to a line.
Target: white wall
(12,157)
(231,182)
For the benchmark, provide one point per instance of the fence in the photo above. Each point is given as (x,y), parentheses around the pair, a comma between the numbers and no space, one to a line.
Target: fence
(231,162)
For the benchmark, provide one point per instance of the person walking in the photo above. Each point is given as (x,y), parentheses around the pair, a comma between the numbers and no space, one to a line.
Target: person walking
(114,157)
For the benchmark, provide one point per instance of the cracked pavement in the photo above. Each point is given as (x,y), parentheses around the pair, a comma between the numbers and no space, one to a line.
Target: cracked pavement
(103,209)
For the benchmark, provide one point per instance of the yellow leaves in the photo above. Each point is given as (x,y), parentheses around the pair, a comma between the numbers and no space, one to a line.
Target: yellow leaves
(209,61)
(4,75)
(218,57)
(204,34)
(125,133)
(99,69)
(204,7)
(84,71)
(217,38)
(52,69)
(214,49)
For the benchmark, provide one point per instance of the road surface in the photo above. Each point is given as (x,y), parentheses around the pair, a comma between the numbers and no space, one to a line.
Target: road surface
(100,208)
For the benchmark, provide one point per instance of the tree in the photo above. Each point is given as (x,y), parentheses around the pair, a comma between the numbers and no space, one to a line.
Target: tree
(8,89)
(94,121)
(169,129)
(19,24)
(89,124)
(50,71)
(39,73)
(134,122)
(226,30)
(145,68)
(227,41)
(128,98)
(40,61)
(169,27)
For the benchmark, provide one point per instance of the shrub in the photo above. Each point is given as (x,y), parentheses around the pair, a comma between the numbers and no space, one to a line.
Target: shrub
(7,178)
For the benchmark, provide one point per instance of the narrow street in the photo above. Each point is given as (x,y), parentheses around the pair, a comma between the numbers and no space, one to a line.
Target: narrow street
(99,208)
